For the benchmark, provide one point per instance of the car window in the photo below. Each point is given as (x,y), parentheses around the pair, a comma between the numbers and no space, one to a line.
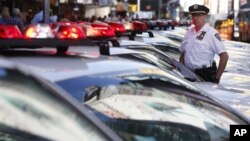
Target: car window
(24,101)
(174,36)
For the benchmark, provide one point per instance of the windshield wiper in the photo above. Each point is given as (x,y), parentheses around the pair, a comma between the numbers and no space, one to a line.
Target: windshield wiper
(91,93)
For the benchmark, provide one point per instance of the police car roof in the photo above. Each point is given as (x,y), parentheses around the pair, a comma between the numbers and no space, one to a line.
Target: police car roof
(68,66)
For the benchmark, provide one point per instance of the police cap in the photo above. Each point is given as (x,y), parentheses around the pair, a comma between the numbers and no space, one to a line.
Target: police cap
(196,8)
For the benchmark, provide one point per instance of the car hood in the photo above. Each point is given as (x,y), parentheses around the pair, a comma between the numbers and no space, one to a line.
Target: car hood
(236,97)
(128,43)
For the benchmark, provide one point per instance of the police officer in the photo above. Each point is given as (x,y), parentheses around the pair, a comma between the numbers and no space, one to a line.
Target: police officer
(200,45)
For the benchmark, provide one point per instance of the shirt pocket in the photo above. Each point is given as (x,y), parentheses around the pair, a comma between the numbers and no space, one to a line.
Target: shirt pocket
(202,47)
(184,45)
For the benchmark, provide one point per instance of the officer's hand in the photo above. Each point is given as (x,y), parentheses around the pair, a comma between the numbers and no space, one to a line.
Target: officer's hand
(217,81)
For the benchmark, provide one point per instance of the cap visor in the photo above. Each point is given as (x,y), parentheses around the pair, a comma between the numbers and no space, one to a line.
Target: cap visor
(203,12)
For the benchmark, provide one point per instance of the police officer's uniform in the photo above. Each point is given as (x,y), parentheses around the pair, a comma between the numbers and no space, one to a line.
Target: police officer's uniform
(200,47)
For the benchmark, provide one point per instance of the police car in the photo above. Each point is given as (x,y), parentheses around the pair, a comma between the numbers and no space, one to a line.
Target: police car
(34,109)
(124,93)
(158,41)
(225,92)
(85,77)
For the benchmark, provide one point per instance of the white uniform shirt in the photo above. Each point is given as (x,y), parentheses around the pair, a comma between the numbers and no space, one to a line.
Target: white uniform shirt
(37,18)
(200,47)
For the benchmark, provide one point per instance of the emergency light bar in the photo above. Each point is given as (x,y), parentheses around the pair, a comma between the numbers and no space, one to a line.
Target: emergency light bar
(36,43)
(62,36)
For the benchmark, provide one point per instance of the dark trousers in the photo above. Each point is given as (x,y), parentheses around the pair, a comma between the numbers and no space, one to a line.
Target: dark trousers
(207,73)
(121,13)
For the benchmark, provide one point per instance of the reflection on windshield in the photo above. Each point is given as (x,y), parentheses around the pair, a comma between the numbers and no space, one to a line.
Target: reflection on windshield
(168,63)
(28,107)
(138,112)
(162,79)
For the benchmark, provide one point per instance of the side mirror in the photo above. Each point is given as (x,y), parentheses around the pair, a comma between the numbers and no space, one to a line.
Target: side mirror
(92,92)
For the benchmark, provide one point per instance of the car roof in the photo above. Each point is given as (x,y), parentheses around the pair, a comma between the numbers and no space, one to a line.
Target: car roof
(69,66)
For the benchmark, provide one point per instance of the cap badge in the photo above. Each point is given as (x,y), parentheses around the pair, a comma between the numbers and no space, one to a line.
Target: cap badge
(195,6)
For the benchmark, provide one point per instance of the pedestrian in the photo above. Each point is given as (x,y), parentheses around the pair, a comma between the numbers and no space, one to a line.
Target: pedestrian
(200,45)
(38,17)
(5,15)
(111,18)
(29,16)
(12,20)
(121,9)
(17,18)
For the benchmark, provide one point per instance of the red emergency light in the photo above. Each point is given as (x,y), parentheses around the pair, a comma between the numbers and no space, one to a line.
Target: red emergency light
(69,31)
(117,27)
(10,31)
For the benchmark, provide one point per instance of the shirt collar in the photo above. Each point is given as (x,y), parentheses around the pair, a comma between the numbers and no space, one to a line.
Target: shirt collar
(204,28)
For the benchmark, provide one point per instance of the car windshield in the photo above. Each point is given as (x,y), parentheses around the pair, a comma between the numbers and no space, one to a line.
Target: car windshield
(23,101)
(138,112)
(166,62)
(75,86)
(178,37)
(169,49)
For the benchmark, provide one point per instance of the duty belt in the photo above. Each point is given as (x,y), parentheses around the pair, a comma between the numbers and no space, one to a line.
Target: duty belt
(207,73)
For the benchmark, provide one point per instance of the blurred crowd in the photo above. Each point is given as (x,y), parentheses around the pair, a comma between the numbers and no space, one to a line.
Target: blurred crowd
(16,17)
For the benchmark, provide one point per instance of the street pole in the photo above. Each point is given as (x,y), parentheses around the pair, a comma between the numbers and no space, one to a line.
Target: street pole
(159,9)
(138,6)
(46,9)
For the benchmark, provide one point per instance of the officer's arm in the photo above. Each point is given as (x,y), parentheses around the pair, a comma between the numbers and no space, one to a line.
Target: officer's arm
(181,59)
(222,64)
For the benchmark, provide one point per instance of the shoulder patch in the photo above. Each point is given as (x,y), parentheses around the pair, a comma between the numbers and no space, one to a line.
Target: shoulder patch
(217,35)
